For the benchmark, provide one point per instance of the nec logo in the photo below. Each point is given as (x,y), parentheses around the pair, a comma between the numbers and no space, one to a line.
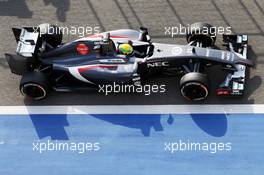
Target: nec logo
(158,64)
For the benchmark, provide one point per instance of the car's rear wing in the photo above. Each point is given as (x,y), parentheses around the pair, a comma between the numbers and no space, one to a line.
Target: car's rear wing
(27,43)
(27,40)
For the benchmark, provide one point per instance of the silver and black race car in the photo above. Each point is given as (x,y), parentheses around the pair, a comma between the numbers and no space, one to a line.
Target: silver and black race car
(46,63)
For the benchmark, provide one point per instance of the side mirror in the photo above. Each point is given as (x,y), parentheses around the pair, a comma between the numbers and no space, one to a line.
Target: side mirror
(106,37)
(144,30)
(144,36)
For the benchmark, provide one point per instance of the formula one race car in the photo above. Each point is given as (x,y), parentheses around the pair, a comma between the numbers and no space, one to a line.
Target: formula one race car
(46,63)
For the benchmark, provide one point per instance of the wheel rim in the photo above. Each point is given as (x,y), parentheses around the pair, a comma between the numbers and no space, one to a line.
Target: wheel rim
(33,91)
(194,91)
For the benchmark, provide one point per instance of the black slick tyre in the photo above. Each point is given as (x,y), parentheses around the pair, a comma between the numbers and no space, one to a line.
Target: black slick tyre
(34,85)
(203,33)
(194,86)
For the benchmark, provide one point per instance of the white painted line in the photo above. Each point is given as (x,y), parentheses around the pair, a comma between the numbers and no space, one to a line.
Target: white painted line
(134,109)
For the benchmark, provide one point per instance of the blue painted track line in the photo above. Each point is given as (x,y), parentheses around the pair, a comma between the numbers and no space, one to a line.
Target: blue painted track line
(132,144)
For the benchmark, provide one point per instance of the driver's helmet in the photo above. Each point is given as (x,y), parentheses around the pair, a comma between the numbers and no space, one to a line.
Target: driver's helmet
(125,49)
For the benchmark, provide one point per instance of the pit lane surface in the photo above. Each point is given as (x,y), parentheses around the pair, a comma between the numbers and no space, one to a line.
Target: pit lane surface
(242,15)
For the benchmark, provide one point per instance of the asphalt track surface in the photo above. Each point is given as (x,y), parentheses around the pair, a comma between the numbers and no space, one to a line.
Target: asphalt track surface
(242,15)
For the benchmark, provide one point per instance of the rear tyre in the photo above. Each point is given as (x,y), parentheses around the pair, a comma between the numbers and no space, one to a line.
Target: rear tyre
(51,34)
(194,86)
(203,33)
(34,85)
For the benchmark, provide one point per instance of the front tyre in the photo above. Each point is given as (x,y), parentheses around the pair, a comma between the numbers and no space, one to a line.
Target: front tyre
(194,86)
(202,33)
(34,85)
